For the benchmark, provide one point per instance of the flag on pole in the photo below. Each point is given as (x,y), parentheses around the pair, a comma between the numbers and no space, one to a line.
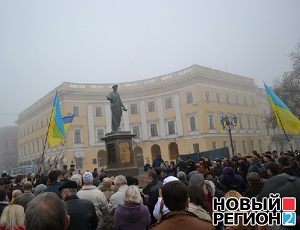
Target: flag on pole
(222,124)
(56,132)
(67,122)
(285,118)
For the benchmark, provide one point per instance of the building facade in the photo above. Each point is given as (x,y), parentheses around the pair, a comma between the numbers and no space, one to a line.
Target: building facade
(172,114)
(8,147)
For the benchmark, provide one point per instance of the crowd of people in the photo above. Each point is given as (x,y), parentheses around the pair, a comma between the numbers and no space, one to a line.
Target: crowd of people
(177,194)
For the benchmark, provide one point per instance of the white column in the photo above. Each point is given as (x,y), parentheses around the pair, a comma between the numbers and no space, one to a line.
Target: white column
(108,116)
(91,128)
(161,118)
(178,114)
(144,130)
(126,117)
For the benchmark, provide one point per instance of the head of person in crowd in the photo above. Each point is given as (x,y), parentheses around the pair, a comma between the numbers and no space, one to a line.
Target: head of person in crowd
(78,179)
(198,197)
(274,154)
(107,183)
(132,195)
(228,173)
(119,181)
(253,178)
(182,177)
(39,189)
(68,189)
(197,179)
(283,162)
(272,169)
(15,193)
(87,178)
(132,180)
(54,176)
(47,212)
(13,217)
(19,179)
(255,160)
(150,176)
(175,191)
(3,195)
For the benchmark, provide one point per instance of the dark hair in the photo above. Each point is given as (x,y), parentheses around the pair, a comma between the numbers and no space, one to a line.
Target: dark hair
(273,167)
(53,175)
(19,179)
(198,197)
(175,195)
(3,194)
(46,212)
(284,161)
(152,173)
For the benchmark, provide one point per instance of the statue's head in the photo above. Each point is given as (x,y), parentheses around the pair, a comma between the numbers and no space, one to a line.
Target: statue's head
(115,87)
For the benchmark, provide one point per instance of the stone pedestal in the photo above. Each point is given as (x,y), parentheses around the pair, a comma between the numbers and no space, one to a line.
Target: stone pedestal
(120,154)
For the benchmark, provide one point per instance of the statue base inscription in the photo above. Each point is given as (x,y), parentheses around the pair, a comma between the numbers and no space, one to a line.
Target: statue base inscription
(120,154)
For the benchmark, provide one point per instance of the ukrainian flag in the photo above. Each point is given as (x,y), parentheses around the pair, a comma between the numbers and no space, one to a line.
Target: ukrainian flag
(56,130)
(67,122)
(284,116)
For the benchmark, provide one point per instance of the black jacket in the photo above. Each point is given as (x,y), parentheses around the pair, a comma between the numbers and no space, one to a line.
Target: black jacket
(82,214)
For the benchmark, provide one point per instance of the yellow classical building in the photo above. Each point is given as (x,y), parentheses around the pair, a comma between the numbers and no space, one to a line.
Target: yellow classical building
(172,114)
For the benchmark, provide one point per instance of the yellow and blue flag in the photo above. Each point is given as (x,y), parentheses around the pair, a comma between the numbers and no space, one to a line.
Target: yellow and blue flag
(285,118)
(56,131)
(67,122)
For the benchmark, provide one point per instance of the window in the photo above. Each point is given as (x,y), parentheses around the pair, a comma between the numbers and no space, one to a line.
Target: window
(168,103)
(28,148)
(253,102)
(94,161)
(244,146)
(79,163)
(100,134)
(24,146)
(33,147)
(211,121)
(136,131)
(257,123)
(207,95)
(32,128)
(37,125)
(240,121)
(214,145)
(237,100)
(227,99)
(245,101)
(42,124)
(235,147)
(224,143)
(252,145)
(171,127)
(196,148)
(77,136)
(153,130)
(99,112)
(37,145)
(133,109)
(249,123)
(260,145)
(76,111)
(189,98)
(151,106)
(218,96)
(192,121)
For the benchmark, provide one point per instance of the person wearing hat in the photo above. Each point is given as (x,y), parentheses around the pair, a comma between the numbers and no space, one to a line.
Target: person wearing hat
(72,170)
(117,108)
(92,193)
(82,212)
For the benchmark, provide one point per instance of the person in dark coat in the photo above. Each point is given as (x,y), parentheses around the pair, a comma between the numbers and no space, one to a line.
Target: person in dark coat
(157,161)
(54,178)
(284,165)
(255,186)
(82,212)
(3,200)
(151,198)
(26,197)
(132,214)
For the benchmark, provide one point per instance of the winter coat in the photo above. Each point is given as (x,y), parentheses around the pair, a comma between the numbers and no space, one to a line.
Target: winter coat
(132,216)
(199,211)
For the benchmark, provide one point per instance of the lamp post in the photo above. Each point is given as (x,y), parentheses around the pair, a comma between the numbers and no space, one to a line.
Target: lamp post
(230,123)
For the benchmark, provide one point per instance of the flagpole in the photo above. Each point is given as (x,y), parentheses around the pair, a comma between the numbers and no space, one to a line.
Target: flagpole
(40,168)
(61,148)
(284,132)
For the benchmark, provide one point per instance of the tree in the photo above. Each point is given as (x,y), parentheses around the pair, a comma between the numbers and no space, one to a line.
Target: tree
(288,89)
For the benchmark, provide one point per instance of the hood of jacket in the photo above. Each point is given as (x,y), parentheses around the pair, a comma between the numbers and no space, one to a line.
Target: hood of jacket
(132,213)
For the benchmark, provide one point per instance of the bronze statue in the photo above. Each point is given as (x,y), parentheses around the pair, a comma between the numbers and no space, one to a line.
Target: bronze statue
(117,108)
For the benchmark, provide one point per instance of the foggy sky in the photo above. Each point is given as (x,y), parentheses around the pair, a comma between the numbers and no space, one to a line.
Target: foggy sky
(45,43)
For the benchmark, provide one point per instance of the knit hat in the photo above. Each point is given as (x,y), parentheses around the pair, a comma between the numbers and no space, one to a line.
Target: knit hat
(228,172)
(169,179)
(39,189)
(87,178)
(196,179)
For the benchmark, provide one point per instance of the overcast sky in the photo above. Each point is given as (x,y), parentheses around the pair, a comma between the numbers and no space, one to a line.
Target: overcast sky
(45,43)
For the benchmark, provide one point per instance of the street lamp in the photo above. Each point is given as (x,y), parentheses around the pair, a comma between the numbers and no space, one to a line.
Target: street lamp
(229,123)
